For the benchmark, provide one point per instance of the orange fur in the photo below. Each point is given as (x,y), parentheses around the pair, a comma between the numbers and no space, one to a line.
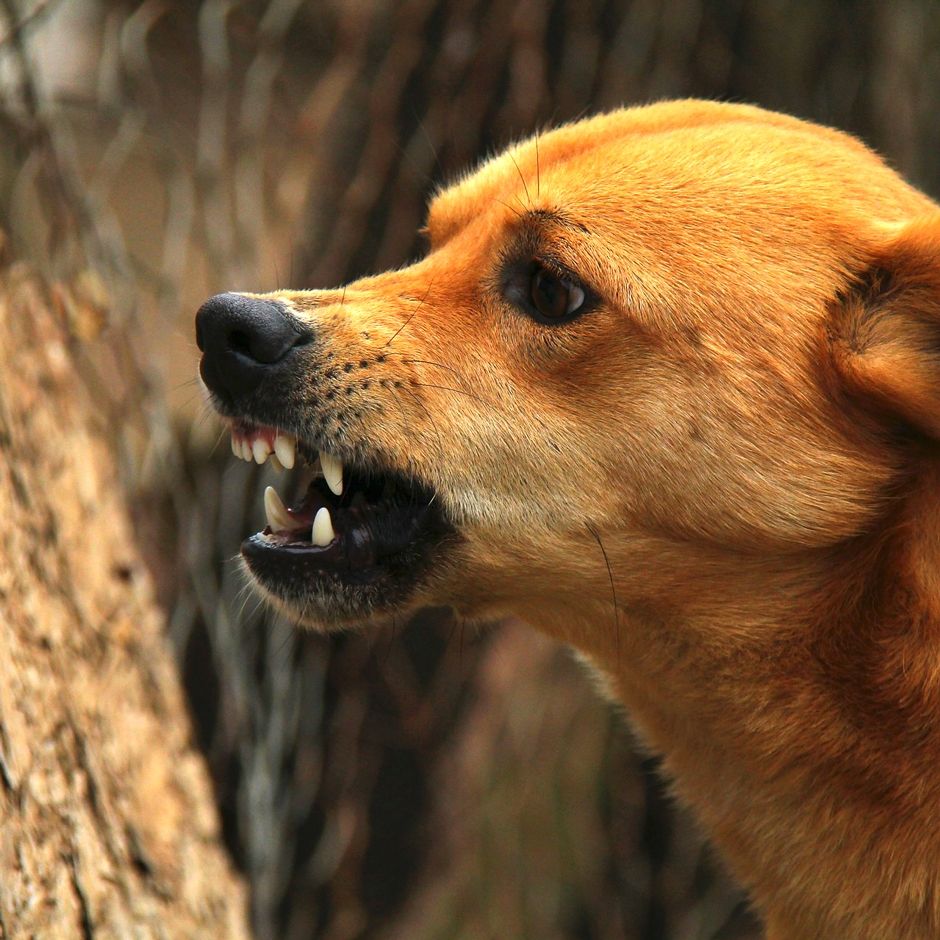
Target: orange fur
(721,484)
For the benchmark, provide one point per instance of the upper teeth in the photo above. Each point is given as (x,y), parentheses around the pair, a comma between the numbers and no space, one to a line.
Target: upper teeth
(285,447)
(260,449)
(332,472)
(261,444)
(280,447)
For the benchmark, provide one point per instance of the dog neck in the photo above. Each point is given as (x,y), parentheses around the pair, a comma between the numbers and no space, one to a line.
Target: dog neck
(803,727)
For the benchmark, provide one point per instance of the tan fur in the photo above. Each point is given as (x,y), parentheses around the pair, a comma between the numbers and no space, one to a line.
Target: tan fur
(738,446)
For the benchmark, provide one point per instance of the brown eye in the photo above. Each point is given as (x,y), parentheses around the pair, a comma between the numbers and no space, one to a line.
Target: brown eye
(554,297)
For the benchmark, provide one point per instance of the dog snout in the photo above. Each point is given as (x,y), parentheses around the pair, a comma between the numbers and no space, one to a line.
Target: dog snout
(243,341)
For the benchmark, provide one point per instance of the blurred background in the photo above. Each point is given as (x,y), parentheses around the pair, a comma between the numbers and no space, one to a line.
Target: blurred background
(433,783)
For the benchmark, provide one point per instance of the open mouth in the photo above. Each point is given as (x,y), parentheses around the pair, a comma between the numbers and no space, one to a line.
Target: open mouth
(353,527)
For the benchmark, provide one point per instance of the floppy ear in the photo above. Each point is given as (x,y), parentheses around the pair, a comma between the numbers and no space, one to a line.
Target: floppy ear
(886,336)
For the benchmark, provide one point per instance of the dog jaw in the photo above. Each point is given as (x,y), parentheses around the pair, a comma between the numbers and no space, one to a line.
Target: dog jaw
(715,482)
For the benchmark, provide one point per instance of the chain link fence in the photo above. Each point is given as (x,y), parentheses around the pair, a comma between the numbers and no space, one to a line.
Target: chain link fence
(426,783)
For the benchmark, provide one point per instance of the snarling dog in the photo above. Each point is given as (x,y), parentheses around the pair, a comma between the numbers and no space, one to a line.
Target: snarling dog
(666,386)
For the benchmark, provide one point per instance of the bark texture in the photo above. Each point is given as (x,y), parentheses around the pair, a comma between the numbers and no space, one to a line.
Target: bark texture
(107,823)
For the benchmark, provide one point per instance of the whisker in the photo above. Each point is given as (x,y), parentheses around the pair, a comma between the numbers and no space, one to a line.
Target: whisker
(190,399)
(613,589)
(206,415)
(538,168)
(424,130)
(218,441)
(420,404)
(413,315)
(457,391)
(515,212)
(452,631)
(243,593)
(394,634)
(528,198)
(428,362)
(290,637)
(248,596)
(183,384)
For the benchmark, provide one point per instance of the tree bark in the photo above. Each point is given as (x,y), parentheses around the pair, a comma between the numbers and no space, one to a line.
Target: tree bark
(107,822)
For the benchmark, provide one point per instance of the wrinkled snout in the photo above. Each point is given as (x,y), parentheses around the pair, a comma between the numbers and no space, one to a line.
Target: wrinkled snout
(244,340)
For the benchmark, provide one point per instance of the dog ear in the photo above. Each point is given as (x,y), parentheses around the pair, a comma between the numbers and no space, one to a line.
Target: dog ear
(886,331)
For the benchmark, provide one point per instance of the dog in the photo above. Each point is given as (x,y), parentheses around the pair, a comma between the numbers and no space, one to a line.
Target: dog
(666,386)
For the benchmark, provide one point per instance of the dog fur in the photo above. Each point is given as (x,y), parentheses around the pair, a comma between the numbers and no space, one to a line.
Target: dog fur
(720,483)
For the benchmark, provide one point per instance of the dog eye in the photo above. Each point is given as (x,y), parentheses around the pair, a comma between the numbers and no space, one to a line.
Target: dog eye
(554,297)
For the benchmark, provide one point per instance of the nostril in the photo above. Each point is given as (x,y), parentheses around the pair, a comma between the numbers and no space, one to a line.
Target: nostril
(242,338)
(266,339)
(240,342)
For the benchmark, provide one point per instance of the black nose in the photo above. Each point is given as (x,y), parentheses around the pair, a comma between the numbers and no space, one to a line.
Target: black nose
(243,340)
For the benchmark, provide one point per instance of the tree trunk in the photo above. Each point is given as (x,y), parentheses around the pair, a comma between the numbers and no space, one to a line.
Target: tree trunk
(108,822)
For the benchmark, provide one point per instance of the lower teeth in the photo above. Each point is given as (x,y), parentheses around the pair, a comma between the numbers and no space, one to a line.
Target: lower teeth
(278,517)
(322,532)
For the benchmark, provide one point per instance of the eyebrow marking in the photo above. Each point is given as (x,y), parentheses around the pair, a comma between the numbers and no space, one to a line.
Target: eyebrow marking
(543,217)
(530,219)
(533,238)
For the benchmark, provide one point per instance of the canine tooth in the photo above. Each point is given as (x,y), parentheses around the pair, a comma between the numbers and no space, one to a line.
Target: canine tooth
(278,517)
(333,472)
(322,532)
(260,449)
(285,446)
(276,464)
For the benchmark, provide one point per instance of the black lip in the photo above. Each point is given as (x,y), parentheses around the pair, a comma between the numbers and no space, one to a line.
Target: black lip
(366,541)
(383,546)
(280,566)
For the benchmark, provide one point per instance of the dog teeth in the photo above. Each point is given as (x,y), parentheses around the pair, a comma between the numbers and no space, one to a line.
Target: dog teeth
(322,532)
(278,517)
(285,447)
(260,449)
(258,445)
(332,472)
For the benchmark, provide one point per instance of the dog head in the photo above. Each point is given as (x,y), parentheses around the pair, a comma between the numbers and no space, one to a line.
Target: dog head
(635,341)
